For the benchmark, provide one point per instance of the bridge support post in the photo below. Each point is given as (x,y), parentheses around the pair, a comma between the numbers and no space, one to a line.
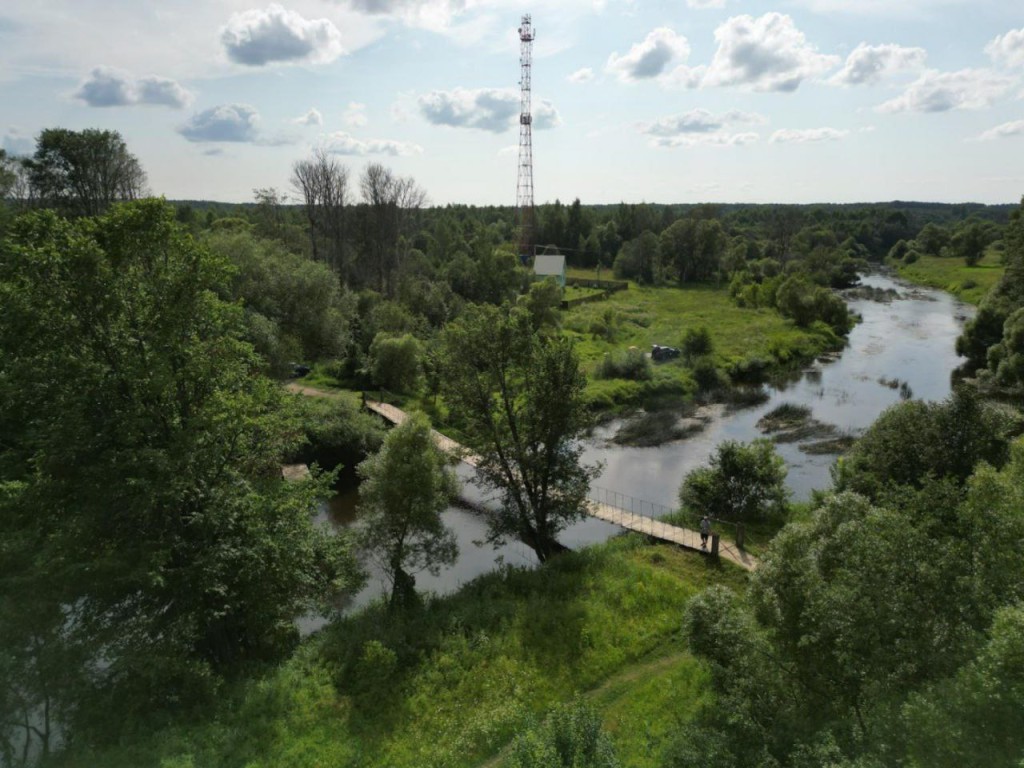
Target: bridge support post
(714,544)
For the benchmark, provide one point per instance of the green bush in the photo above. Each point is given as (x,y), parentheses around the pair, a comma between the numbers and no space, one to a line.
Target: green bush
(570,737)
(609,394)
(707,376)
(396,362)
(744,482)
(631,364)
(337,433)
(697,343)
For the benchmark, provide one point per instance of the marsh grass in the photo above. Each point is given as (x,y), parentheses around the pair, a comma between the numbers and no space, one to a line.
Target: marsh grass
(786,416)
(653,428)
(830,446)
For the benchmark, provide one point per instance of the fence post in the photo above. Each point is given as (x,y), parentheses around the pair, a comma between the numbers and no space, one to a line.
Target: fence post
(740,535)
(714,544)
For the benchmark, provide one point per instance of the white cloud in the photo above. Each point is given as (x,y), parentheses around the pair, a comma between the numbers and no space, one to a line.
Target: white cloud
(313,117)
(805,135)
(721,139)
(435,15)
(341,143)
(868,64)
(487,109)
(701,127)
(355,115)
(109,87)
(256,37)
(765,54)
(684,76)
(698,121)
(1008,50)
(937,91)
(224,123)
(702,5)
(1004,131)
(584,75)
(649,58)
(916,10)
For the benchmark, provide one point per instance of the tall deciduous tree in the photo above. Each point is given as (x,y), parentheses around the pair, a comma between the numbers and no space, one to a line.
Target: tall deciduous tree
(81,173)
(323,184)
(141,499)
(391,201)
(8,175)
(743,482)
(970,241)
(406,486)
(519,396)
(296,309)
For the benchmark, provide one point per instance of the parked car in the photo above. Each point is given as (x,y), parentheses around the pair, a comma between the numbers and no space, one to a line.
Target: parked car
(661,353)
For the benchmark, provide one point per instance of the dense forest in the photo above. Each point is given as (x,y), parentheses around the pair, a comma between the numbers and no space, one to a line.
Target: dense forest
(153,562)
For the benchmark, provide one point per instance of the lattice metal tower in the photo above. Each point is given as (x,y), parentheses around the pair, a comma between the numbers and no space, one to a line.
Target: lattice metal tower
(524,185)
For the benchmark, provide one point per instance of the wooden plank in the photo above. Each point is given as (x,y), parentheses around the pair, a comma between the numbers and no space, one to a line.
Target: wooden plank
(397,416)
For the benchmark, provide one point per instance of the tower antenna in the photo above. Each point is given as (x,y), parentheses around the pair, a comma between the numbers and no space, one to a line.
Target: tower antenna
(524,184)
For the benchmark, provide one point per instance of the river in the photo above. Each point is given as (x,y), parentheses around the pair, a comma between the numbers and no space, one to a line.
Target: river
(910,338)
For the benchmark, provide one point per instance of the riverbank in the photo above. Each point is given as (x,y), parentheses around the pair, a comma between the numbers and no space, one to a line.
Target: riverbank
(969,284)
(454,681)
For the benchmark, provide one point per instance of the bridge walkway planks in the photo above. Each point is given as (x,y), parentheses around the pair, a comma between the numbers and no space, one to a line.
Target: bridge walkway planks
(649,526)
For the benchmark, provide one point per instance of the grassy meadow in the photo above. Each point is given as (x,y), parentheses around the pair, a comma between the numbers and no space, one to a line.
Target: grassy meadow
(452,682)
(970,284)
(642,316)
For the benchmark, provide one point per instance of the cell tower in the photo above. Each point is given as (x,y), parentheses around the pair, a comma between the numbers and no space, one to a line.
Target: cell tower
(524,185)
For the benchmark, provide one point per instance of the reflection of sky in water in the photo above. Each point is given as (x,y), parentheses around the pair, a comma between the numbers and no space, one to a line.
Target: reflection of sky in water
(476,556)
(910,339)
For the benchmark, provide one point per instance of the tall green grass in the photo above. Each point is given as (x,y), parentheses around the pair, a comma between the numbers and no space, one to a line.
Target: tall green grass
(452,682)
(642,316)
(954,276)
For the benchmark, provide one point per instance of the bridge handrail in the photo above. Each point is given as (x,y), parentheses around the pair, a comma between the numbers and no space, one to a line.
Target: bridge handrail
(636,506)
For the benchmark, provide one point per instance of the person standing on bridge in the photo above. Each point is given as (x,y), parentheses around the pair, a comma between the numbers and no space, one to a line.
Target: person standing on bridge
(705,531)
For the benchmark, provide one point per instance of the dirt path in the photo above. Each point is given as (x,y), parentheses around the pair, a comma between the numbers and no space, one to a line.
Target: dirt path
(301,389)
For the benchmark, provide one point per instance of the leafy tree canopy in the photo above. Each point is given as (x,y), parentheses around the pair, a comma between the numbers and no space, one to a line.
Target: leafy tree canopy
(147,531)
(518,396)
(743,482)
(406,486)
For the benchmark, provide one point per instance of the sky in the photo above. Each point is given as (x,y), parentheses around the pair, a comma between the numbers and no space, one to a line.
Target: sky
(790,101)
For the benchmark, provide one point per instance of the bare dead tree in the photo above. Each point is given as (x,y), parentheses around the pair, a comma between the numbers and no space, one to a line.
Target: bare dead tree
(322,182)
(392,203)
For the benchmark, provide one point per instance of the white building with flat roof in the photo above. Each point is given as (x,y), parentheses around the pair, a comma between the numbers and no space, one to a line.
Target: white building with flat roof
(550,266)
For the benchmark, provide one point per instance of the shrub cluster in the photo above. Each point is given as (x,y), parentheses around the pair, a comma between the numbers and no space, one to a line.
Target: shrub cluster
(631,364)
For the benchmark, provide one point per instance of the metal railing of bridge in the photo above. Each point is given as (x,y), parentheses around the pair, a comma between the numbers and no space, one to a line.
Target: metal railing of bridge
(642,509)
